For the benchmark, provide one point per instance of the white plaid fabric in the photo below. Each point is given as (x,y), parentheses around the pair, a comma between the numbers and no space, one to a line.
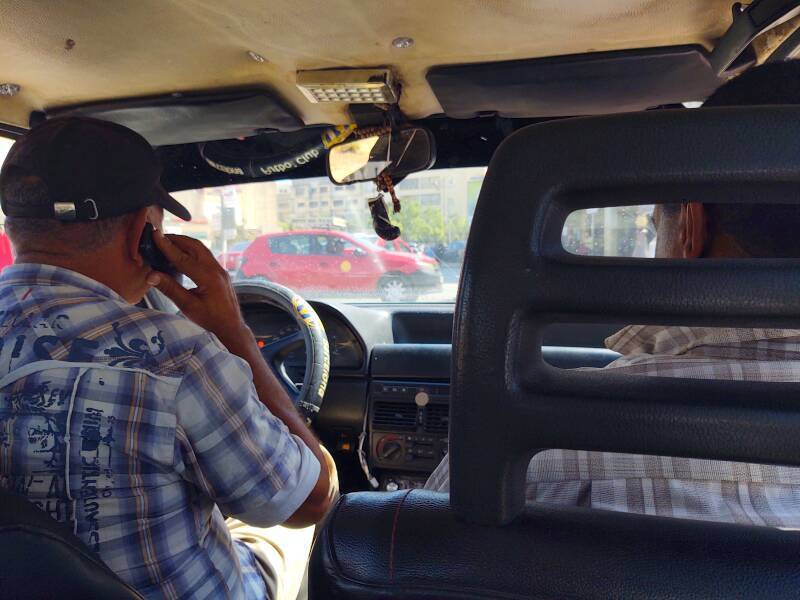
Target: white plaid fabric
(141,431)
(678,487)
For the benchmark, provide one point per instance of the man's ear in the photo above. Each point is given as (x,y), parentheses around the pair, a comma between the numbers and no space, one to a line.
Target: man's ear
(694,229)
(134,235)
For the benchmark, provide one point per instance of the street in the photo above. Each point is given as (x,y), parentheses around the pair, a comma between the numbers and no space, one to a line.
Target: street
(450,274)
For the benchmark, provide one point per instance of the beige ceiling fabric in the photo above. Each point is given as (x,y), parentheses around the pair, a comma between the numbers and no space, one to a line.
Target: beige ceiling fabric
(65,53)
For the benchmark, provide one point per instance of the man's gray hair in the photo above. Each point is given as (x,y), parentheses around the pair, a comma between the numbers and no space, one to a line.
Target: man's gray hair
(49,235)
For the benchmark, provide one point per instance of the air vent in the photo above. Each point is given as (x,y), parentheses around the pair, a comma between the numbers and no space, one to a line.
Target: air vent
(437,418)
(394,416)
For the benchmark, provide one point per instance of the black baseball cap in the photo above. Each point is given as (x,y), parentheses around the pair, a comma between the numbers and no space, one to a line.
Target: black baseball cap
(82,169)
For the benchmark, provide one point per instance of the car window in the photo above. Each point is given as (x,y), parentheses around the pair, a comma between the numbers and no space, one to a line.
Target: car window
(6,256)
(5,146)
(348,246)
(290,244)
(327,245)
(612,231)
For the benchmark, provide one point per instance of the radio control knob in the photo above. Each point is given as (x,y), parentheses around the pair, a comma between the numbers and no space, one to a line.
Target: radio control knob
(391,451)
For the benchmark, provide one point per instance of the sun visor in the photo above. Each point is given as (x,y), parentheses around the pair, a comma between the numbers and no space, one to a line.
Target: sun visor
(579,84)
(184,119)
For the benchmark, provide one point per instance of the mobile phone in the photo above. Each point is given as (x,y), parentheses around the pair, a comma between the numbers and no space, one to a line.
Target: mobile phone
(151,254)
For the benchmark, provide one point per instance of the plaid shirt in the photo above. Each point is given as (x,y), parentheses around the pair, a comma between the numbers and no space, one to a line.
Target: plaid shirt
(141,431)
(678,487)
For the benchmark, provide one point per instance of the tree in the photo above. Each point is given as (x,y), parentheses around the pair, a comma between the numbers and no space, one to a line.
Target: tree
(457,228)
(418,223)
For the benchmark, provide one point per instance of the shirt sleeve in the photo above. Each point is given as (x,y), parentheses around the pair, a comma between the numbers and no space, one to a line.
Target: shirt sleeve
(232,447)
(439,481)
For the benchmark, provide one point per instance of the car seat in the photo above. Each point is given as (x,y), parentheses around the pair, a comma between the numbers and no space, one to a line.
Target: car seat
(484,541)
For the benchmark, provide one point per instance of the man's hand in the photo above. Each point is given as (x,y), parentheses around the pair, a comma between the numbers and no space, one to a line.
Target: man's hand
(212,304)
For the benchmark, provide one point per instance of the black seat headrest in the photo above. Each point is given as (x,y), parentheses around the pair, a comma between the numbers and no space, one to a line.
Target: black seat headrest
(41,558)
(517,279)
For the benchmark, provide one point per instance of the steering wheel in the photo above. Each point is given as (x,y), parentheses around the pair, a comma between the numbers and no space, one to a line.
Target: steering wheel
(307,397)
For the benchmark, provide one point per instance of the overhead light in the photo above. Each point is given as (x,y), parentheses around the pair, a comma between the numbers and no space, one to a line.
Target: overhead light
(9,89)
(353,86)
(403,42)
(256,56)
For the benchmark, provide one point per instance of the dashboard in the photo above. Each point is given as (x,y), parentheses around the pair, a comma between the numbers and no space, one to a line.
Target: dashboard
(388,395)
(271,325)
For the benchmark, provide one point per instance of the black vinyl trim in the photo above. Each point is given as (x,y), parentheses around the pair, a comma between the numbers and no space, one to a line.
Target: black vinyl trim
(577,84)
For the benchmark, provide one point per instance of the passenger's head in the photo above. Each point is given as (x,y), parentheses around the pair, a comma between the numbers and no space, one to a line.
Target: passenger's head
(77,193)
(694,230)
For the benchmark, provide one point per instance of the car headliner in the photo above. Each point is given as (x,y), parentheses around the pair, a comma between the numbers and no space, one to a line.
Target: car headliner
(68,53)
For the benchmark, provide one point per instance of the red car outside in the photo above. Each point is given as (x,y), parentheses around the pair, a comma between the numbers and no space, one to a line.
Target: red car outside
(6,257)
(396,245)
(232,259)
(321,260)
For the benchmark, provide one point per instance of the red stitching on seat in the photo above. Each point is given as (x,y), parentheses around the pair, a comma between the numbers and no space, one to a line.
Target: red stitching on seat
(394,534)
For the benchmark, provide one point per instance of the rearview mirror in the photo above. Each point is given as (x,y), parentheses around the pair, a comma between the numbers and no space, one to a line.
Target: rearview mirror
(399,153)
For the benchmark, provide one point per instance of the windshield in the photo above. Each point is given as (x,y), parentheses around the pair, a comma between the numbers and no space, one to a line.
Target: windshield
(5,146)
(6,257)
(317,238)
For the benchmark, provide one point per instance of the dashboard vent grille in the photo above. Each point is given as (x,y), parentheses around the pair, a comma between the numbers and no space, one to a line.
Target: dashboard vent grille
(394,416)
(437,418)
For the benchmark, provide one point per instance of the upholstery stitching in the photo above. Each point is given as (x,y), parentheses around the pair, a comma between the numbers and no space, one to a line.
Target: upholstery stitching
(394,534)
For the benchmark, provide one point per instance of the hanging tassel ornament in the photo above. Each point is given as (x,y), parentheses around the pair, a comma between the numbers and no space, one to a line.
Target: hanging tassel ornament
(380,219)
(385,184)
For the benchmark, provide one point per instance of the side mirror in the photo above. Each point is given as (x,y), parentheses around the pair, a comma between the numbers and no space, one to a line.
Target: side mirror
(359,252)
(398,154)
